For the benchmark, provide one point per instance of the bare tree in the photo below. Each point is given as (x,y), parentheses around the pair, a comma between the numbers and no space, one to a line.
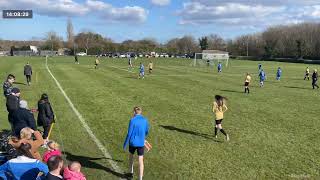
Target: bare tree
(70,35)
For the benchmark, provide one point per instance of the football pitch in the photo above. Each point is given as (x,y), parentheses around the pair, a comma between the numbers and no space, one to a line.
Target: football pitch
(274,131)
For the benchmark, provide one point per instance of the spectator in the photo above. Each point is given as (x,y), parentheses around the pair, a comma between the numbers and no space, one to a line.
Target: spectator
(23,167)
(46,115)
(53,150)
(73,172)
(12,104)
(55,165)
(23,118)
(26,137)
(28,73)
(7,85)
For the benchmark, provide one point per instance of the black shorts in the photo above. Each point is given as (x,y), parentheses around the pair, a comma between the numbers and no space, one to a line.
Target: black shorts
(219,121)
(150,69)
(246,84)
(140,150)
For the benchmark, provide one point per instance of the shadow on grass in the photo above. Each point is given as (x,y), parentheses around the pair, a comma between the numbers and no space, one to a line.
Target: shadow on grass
(88,162)
(295,87)
(232,91)
(20,83)
(203,135)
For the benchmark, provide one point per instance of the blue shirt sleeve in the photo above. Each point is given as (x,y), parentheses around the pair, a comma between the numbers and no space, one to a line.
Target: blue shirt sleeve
(43,168)
(3,169)
(147,127)
(130,130)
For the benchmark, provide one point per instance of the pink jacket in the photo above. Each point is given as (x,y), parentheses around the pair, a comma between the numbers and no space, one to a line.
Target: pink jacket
(71,175)
(48,154)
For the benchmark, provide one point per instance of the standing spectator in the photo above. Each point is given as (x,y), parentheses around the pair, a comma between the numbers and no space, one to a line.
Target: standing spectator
(7,85)
(45,115)
(315,79)
(53,150)
(12,104)
(73,172)
(26,137)
(55,165)
(137,132)
(28,73)
(23,118)
(24,166)
(76,61)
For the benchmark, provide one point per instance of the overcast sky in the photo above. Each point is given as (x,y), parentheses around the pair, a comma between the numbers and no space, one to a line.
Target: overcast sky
(161,19)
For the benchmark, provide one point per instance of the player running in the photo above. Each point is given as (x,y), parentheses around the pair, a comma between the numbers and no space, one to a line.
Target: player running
(307,74)
(76,61)
(315,79)
(219,67)
(279,73)
(130,64)
(246,83)
(219,108)
(96,63)
(262,76)
(150,66)
(141,71)
(136,138)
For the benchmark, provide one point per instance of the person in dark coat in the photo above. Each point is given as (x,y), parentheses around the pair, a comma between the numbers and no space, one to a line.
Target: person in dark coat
(315,79)
(28,73)
(13,104)
(45,115)
(22,118)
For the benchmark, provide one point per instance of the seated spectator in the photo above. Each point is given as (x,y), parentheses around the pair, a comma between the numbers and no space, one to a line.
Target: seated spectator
(53,150)
(55,164)
(26,137)
(24,167)
(22,118)
(73,172)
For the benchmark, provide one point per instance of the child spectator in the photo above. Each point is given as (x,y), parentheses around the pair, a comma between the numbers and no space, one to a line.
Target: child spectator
(73,172)
(53,150)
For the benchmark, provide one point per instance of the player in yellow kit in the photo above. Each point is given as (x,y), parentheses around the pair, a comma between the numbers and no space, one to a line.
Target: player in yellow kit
(150,66)
(307,74)
(219,108)
(246,83)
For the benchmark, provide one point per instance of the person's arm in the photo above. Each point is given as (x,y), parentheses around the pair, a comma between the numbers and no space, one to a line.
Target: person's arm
(147,128)
(130,130)
(214,107)
(225,108)
(3,169)
(31,122)
(48,111)
(39,140)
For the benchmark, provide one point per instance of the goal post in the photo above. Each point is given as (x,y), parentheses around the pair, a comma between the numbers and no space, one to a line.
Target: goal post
(211,58)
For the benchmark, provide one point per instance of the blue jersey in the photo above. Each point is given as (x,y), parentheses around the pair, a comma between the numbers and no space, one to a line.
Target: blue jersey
(137,132)
(141,68)
(262,76)
(219,66)
(279,72)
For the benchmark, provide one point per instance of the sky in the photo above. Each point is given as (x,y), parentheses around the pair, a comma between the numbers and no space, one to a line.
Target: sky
(160,19)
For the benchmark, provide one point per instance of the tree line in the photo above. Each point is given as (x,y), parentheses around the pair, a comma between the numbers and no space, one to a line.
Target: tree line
(283,41)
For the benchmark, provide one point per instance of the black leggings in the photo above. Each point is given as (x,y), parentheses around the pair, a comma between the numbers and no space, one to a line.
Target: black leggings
(28,78)
(46,130)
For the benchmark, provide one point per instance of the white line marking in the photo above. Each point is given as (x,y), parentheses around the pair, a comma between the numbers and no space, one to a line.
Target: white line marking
(85,125)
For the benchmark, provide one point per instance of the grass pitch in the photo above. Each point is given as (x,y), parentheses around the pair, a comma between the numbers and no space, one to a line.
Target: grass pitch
(274,130)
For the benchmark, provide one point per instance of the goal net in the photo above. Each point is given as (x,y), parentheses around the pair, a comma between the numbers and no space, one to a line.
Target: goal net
(210,59)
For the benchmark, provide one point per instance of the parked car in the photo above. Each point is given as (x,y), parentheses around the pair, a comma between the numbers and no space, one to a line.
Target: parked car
(81,54)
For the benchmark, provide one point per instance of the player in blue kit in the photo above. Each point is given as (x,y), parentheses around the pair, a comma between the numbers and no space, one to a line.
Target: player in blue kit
(262,76)
(279,73)
(141,71)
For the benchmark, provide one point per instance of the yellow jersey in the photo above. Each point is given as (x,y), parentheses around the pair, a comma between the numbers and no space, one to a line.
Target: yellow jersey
(307,71)
(97,61)
(219,110)
(150,65)
(248,78)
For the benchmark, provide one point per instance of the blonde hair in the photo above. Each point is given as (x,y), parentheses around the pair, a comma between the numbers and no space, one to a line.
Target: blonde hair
(53,145)
(26,133)
(75,166)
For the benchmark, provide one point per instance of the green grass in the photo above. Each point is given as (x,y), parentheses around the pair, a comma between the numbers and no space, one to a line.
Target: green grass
(274,130)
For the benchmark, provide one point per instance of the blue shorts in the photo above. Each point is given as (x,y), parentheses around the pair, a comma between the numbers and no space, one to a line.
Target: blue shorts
(142,73)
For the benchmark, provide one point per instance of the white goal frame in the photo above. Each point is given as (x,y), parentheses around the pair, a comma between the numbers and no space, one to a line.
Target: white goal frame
(219,57)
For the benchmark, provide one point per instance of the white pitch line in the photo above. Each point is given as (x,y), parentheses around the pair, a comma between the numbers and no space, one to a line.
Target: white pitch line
(85,125)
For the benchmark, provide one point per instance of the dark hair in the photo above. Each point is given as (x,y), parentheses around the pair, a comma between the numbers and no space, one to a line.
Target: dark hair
(44,96)
(11,76)
(53,162)
(220,99)
(24,150)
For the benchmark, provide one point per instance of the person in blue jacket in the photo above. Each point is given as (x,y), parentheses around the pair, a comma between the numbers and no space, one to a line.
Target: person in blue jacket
(279,73)
(219,67)
(141,71)
(24,167)
(262,76)
(137,132)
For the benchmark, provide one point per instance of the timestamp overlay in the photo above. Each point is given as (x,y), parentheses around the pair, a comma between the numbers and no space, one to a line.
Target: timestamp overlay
(17,14)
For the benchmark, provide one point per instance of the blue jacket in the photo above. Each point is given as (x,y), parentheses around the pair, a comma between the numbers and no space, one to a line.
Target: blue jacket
(141,68)
(279,72)
(22,168)
(137,132)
